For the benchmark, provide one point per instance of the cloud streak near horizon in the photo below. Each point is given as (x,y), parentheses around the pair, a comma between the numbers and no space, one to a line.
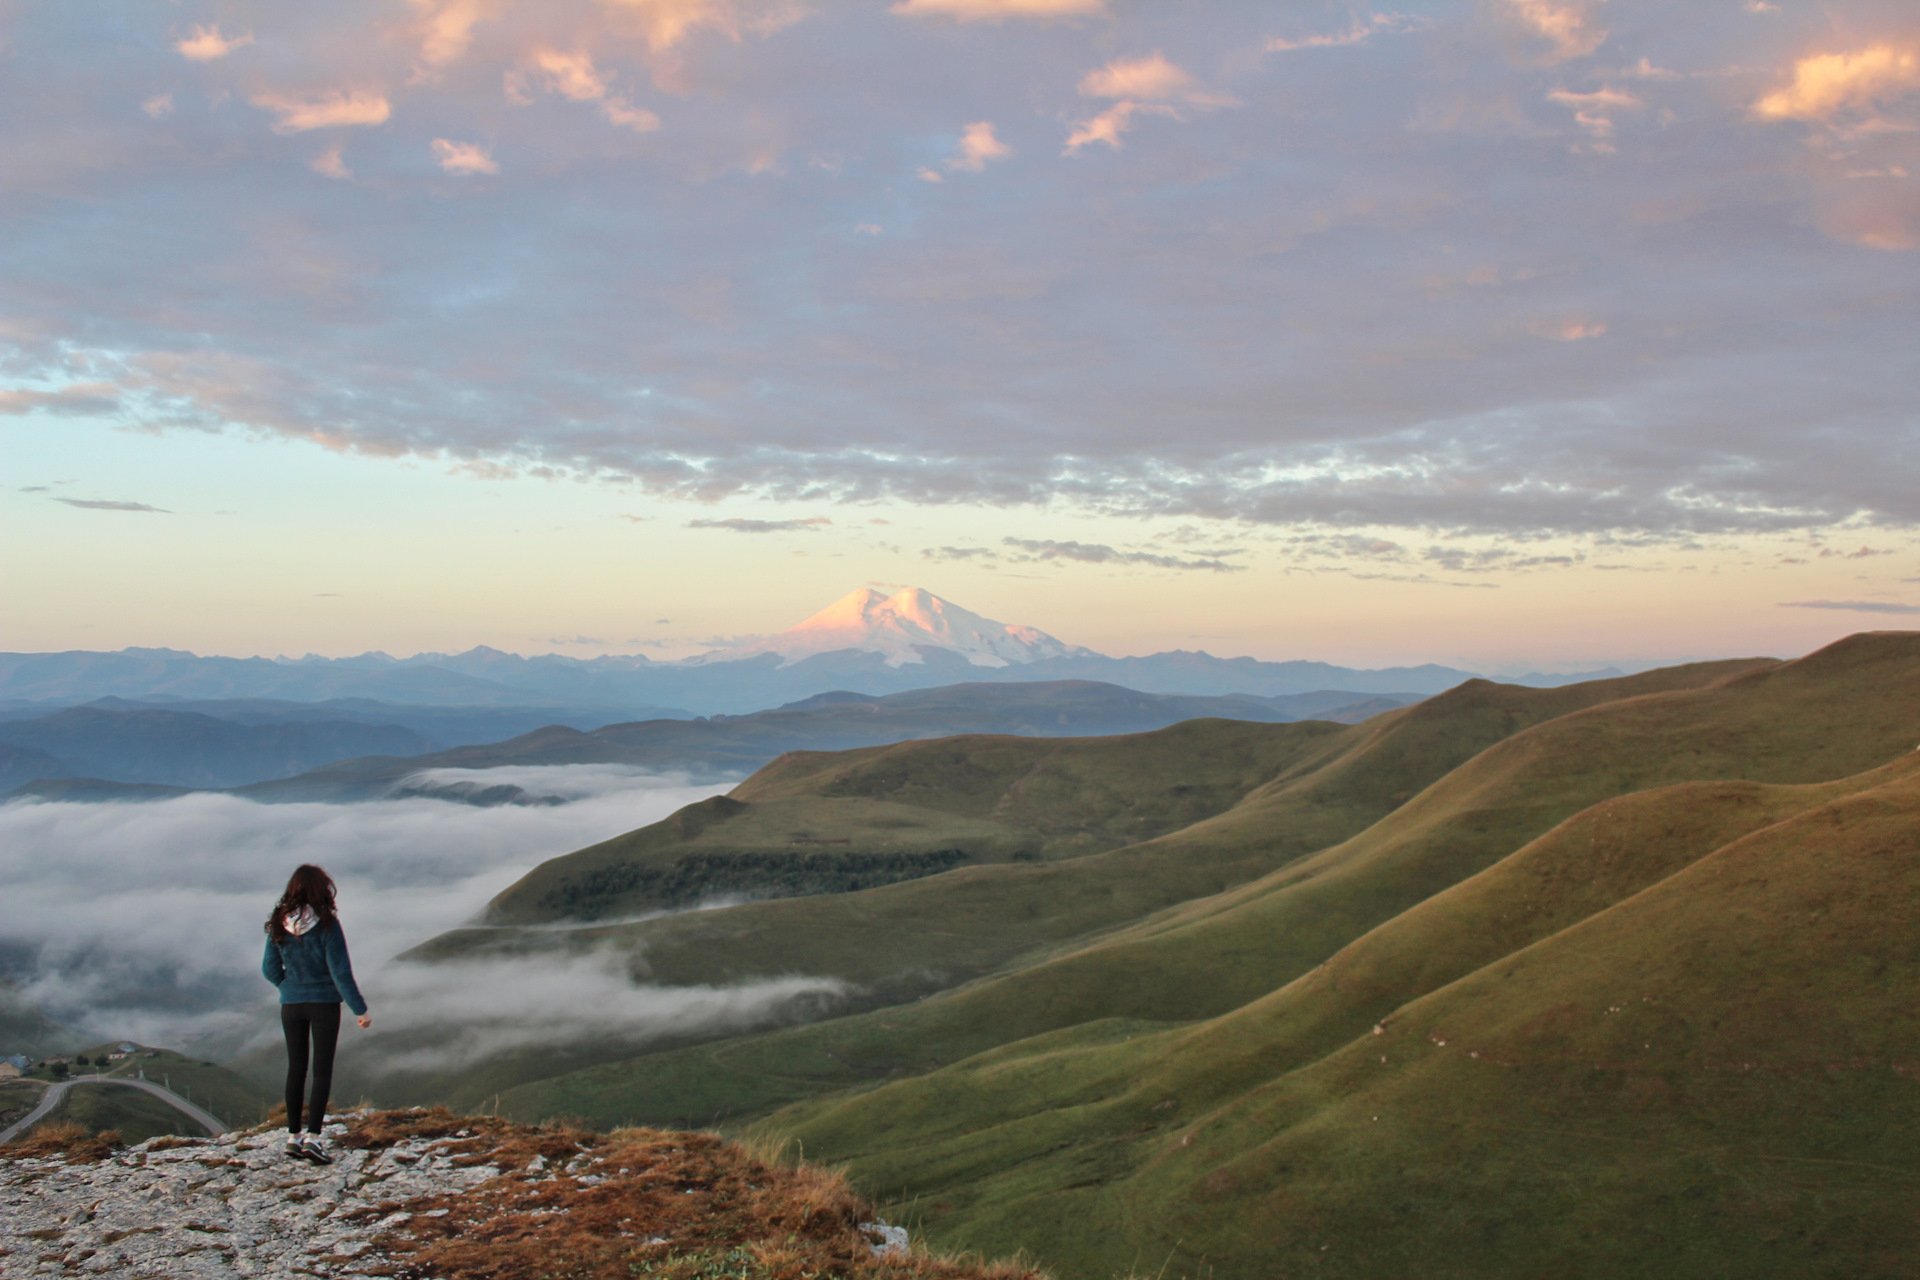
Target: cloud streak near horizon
(1534,266)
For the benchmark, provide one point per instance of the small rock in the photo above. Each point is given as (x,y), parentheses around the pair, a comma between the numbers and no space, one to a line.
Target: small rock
(885,1241)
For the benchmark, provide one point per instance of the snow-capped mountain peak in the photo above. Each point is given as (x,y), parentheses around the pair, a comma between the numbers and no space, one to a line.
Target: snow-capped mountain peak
(901,626)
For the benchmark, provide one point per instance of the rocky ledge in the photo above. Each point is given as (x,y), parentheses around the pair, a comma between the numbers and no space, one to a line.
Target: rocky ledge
(430,1194)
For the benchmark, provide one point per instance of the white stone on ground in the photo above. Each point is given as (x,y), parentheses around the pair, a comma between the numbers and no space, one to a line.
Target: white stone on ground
(885,1241)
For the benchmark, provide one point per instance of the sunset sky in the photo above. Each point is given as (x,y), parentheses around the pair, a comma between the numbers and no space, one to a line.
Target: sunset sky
(1511,332)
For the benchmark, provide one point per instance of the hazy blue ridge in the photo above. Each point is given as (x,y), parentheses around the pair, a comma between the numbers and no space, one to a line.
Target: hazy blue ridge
(485,677)
(717,746)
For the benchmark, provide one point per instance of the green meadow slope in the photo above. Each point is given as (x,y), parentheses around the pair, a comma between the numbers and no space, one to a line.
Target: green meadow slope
(1195,809)
(134,1115)
(1830,714)
(1671,1035)
(1200,1084)
(1275,793)
(986,799)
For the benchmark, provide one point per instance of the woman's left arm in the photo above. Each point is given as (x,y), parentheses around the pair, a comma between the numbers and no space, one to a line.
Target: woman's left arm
(341,967)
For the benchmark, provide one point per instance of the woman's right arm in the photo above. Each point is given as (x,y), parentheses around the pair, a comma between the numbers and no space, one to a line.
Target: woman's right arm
(271,966)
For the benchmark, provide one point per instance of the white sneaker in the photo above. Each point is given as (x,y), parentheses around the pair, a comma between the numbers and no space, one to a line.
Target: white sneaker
(314,1148)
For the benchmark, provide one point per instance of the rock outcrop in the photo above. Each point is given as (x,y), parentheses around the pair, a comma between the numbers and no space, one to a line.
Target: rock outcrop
(427,1193)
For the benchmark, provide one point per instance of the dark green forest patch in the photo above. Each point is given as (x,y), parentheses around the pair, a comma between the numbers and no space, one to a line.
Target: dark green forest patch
(697,877)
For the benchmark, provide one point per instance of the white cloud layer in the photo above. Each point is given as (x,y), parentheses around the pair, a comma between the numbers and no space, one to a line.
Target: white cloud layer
(144,920)
(443,1017)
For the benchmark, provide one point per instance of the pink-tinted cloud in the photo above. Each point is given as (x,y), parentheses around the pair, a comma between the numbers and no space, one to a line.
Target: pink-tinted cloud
(445,30)
(78,398)
(573,76)
(623,113)
(1362,30)
(1151,78)
(1000,10)
(1858,101)
(1150,85)
(1569,27)
(207,44)
(159,105)
(328,164)
(1570,330)
(1856,86)
(666,24)
(465,158)
(1105,127)
(335,108)
(1594,111)
(978,146)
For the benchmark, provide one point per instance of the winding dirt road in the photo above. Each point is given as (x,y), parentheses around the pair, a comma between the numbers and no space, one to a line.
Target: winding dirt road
(51,1099)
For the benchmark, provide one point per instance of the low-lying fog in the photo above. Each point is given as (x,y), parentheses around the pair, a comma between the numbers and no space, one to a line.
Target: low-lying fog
(144,920)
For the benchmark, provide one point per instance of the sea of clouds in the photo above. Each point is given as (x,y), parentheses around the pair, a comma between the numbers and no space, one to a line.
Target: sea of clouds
(145,920)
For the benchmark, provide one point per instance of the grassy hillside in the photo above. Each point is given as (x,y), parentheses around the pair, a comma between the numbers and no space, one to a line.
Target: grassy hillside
(138,1115)
(1670,1036)
(906,940)
(17,1098)
(1716,1076)
(1607,980)
(228,1094)
(134,1115)
(993,799)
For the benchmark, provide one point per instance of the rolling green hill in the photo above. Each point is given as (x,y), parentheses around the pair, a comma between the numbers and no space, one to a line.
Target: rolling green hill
(1623,970)
(907,940)
(135,1116)
(1712,1076)
(999,799)
(1571,858)
(1680,1015)
(228,1094)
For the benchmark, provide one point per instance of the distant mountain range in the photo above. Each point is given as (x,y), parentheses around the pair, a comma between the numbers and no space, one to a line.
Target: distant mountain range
(863,643)
(128,751)
(184,748)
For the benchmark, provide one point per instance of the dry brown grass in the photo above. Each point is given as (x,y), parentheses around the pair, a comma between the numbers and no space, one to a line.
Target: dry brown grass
(635,1202)
(63,1137)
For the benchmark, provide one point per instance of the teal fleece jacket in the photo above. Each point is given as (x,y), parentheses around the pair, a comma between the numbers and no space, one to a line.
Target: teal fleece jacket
(313,968)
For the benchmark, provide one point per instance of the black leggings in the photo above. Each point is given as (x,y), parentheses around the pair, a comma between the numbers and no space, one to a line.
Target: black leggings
(322,1021)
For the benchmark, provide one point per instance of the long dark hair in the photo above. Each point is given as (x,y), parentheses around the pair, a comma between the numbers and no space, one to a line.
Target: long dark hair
(309,886)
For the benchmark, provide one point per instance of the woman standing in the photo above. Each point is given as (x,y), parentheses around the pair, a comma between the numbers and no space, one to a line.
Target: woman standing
(307,959)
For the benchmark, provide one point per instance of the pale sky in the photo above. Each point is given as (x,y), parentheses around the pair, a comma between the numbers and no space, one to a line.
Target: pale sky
(1536,332)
